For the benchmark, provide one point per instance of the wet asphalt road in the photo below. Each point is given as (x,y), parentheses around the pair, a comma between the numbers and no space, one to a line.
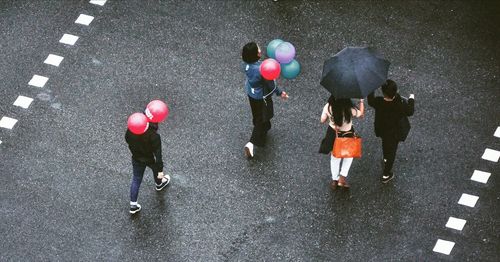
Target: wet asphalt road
(65,168)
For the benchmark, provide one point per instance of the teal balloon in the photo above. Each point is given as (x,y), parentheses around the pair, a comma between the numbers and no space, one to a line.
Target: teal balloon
(271,48)
(290,70)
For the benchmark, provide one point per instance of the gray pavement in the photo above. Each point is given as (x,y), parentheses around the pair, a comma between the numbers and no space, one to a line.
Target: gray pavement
(65,168)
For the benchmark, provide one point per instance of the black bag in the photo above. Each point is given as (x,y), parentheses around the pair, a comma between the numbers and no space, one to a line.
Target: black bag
(327,142)
(403,124)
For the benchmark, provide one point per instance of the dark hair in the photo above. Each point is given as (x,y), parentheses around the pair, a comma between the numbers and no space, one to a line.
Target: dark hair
(250,53)
(389,88)
(342,111)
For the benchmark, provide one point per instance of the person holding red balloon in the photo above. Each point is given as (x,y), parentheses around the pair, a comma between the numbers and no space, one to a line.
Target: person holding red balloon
(260,85)
(145,145)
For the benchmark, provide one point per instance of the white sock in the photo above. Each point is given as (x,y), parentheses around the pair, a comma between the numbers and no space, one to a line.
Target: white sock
(133,203)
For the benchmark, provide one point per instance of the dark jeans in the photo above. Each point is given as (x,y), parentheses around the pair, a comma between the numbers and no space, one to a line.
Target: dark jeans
(389,148)
(139,168)
(262,112)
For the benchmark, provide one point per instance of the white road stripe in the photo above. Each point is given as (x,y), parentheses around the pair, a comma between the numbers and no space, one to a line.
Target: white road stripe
(54,60)
(480,176)
(98,2)
(491,155)
(7,122)
(456,223)
(84,19)
(443,246)
(38,81)
(468,200)
(0,142)
(68,39)
(23,101)
(497,132)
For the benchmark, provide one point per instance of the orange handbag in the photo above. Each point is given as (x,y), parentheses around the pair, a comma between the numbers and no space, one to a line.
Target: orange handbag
(347,147)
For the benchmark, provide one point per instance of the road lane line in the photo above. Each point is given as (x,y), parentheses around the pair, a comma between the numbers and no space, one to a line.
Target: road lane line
(7,122)
(84,19)
(468,200)
(456,223)
(38,81)
(443,246)
(23,101)
(54,60)
(497,132)
(491,155)
(480,176)
(98,2)
(68,39)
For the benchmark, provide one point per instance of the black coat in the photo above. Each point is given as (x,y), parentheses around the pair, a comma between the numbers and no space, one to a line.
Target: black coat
(391,117)
(146,148)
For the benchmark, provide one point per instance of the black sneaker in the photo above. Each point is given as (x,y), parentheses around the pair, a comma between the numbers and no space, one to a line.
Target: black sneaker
(387,177)
(135,208)
(166,180)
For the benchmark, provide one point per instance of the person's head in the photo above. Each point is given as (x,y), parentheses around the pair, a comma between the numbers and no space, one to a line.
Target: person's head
(389,89)
(331,100)
(342,111)
(250,53)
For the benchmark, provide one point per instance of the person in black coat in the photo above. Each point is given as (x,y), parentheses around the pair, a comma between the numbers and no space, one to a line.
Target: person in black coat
(391,122)
(146,152)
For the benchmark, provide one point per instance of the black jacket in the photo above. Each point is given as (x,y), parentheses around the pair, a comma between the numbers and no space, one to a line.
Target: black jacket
(146,148)
(388,114)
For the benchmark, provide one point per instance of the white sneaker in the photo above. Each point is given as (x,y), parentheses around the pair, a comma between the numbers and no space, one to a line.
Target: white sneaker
(249,150)
(164,182)
(135,208)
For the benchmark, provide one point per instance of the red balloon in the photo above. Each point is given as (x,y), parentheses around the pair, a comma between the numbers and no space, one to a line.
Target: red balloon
(137,123)
(156,111)
(270,69)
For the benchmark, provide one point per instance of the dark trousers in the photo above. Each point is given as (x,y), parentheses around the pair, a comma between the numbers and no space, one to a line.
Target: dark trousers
(262,112)
(139,168)
(389,148)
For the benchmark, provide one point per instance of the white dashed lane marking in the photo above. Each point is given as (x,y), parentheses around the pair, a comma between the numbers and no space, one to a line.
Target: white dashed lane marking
(491,155)
(98,2)
(468,200)
(7,122)
(443,246)
(54,60)
(38,81)
(456,223)
(23,101)
(497,132)
(84,19)
(68,39)
(480,176)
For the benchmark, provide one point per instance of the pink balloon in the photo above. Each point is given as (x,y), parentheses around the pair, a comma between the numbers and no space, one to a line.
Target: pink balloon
(156,111)
(137,123)
(270,69)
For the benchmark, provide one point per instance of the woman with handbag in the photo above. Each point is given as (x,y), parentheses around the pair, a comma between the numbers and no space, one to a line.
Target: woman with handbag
(339,114)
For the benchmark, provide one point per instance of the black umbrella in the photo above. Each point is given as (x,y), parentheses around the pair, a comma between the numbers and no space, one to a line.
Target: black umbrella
(354,72)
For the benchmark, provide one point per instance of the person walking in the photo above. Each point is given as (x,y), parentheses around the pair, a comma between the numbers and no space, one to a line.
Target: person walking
(259,91)
(391,122)
(339,114)
(146,151)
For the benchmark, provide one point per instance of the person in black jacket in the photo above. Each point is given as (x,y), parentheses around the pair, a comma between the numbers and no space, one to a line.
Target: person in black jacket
(146,152)
(391,112)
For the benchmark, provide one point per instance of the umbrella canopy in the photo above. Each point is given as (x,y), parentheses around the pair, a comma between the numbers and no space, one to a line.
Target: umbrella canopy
(354,72)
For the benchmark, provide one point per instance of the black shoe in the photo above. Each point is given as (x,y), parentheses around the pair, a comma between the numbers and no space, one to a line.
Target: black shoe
(387,177)
(161,186)
(135,208)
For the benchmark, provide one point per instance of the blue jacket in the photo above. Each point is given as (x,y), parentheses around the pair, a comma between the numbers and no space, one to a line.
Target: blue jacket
(256,86)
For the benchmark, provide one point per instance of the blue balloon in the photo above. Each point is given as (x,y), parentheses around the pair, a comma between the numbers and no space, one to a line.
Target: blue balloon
(271,47)
(290,70)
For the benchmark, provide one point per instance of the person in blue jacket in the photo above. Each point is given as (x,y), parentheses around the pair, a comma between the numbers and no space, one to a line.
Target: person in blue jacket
(259,91)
